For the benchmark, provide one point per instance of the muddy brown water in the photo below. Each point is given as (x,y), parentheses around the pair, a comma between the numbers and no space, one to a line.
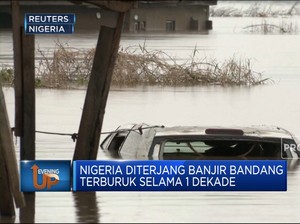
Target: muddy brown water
(278,56)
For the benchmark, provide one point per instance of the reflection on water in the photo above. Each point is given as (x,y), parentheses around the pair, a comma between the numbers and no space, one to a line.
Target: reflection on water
(293,166)
(7,219)
(86,207)
(27,213)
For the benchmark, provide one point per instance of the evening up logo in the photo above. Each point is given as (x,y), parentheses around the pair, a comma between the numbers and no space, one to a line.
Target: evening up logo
(50,177)
(45,175)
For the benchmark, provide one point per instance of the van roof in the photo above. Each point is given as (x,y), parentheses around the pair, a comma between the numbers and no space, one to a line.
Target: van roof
(254,131)
(263,131)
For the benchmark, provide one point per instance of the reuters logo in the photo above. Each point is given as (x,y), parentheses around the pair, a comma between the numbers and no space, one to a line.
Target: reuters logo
(50,177)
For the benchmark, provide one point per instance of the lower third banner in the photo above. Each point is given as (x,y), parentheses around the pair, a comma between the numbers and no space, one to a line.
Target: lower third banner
(180,175)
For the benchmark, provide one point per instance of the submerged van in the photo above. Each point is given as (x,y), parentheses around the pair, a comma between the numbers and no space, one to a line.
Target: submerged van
(142,141)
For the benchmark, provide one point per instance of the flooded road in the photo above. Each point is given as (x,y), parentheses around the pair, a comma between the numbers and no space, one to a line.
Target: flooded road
(277,55)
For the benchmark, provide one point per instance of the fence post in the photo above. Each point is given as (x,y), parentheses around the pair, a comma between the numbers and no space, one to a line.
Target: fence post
(9,175)
(95,102)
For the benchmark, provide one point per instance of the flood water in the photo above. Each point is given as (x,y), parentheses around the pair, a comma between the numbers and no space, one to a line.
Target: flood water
(276,55)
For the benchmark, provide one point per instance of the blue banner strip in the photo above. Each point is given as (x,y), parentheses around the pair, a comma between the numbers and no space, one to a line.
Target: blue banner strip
(49,29)
(180,175)
(47,18)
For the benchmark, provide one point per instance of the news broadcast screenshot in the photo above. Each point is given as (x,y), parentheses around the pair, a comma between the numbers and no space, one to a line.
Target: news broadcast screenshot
(173,111)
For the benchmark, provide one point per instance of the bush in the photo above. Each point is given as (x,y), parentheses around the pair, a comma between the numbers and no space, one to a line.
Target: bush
(71,68)
(157,68)
(268,28)
(6,75)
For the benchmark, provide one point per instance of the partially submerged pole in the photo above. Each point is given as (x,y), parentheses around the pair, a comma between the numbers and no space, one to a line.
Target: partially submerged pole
(9,175)
(7,207)
(24,83)
(16,31)
(27,142)
(99,84)
(27,151)
(97,91)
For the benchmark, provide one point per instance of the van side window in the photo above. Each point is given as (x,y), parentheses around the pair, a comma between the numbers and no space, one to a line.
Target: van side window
(106,141)
(117,142)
